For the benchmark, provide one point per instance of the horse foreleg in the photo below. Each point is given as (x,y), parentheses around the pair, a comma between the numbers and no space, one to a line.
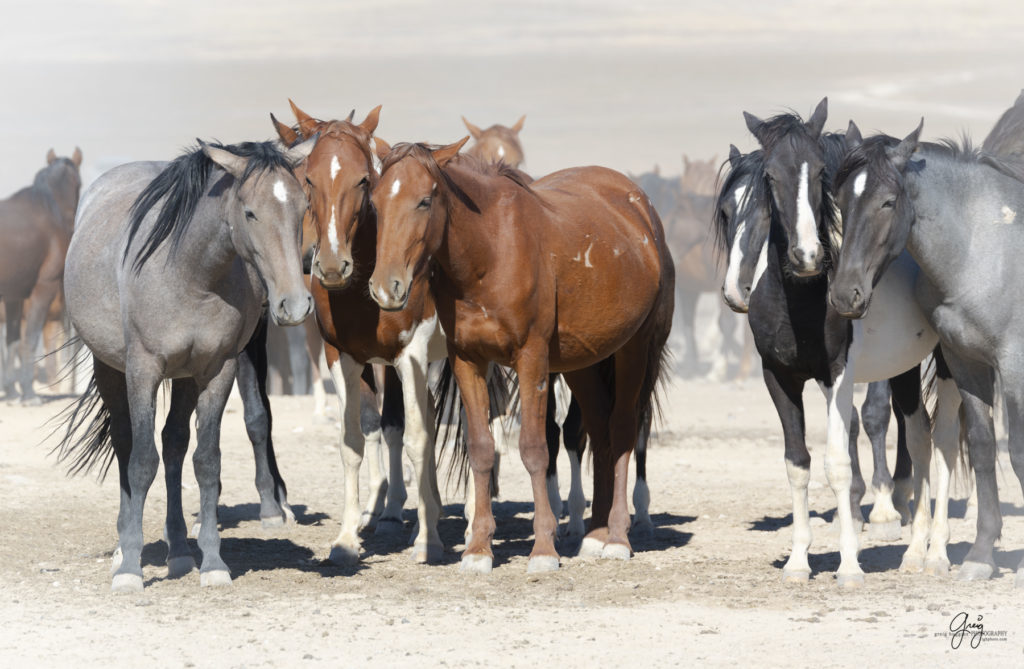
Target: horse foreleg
(13,312)
(642,525)
(906,394)
(884,520)
(175,437)
(839,472)
(575,442)
(553,436)
(393,427)
(945,437)
(346,373)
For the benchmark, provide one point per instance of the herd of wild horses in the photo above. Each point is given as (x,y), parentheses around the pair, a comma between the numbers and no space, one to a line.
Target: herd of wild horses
(856,259)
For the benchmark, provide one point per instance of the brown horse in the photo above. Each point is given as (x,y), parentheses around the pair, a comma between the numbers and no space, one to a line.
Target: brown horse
(35,229)
(356,331)
(497,144)
(568,274)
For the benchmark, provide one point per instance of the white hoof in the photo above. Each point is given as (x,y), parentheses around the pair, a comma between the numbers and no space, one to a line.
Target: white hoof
(936,567)
(289,515)
(616,552)
(851,580)
(476,564)
(591,547)
(795,576)
(115,561)
(344,556)
(388,527)
(427,554)
(179,566)
(194,534)
(912,564)
(886,531)
(974,571)
(542,563)
(214,578)
(126,583)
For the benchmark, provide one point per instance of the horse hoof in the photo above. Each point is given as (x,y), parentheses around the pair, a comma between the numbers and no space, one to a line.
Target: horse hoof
(476,564)
(126,583)
(591,547)
(795,576)
(427,554)
(912,564)
(642,529)
(115,561)
(887,531)
(179,566)
(271,522)
(1018,580)
(936,567)
(850,581)
(389,527)
(214,578)
(542,563)
(616,551)
(974,571)
(343,556)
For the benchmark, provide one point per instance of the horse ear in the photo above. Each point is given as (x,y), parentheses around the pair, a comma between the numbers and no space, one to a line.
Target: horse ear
(369,124)
(351,115)
(446,153)
(473,130)
(734,154)
(817,122)
(287,135)
(306,122)
(900,154)
(300,152)
(853,136)
(754,125)
(231,163)
(519,124)
(76,157)
(381,148)
(51,157)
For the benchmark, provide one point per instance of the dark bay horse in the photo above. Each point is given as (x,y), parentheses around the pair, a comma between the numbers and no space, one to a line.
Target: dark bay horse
(956,210)
(568,274)
(166,278)
(35,230)
(497,143)
(339,175)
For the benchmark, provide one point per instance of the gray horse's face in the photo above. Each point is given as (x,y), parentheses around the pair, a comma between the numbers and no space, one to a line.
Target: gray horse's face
(877,216)
(748,224)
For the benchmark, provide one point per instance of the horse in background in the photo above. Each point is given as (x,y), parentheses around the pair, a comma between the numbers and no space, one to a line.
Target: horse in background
(497,143)
(35,230)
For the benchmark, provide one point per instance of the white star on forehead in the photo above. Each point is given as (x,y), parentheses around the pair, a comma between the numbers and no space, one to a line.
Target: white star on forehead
(335,167)
(859,182)
(395,187)
(279,191)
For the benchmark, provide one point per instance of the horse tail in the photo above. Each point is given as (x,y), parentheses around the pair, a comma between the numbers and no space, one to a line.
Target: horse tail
(87,429)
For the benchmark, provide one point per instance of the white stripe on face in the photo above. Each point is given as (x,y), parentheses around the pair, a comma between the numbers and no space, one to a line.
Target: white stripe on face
(332,232)
(859,183)
(806,230)
(732,272)
(279,191)
(335,167)
(395,187)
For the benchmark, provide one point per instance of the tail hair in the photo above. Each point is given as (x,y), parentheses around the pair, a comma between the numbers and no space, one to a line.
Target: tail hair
(86,443)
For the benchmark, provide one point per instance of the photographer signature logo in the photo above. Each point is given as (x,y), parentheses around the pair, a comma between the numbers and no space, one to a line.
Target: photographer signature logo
(968,631)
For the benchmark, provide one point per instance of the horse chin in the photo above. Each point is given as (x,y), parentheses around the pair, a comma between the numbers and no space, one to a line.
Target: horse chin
(738,307)
(806,273)
(334,282)
(392,304)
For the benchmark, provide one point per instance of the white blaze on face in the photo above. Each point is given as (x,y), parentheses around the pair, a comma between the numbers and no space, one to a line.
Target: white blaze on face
(732,271)
(395,187)
(332,232)
(806,231)
(279,191)
(335,167)
(859,183)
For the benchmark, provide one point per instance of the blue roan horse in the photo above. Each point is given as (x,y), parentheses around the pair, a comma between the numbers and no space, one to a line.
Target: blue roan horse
(166,278)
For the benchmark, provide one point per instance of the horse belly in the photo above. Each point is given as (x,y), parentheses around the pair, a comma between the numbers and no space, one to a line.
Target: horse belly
(895,334)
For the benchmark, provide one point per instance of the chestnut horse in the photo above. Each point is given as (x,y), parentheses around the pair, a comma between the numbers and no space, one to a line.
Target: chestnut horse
(35,229)
(338,178)
(568,274)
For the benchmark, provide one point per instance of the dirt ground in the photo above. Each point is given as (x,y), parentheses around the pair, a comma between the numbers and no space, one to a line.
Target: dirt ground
(706,590)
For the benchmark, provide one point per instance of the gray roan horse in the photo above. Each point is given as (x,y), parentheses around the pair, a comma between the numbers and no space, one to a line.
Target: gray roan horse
(957,211)
(35,229)
(166,278)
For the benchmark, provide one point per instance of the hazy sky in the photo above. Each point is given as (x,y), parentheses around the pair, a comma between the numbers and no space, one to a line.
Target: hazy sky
(627,84)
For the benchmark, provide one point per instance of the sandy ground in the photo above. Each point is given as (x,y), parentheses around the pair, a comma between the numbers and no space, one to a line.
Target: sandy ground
(707,589)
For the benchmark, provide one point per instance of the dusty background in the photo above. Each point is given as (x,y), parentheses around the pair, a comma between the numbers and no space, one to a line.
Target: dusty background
(628,85)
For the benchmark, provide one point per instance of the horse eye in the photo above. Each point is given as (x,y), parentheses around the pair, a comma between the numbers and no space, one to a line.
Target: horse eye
(424,203)
(249,216)
(364,182)
(888,204)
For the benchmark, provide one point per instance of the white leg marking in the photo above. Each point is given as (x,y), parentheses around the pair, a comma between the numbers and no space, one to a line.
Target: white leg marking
(797,567)
(946,437)
(346,372)
(838,469)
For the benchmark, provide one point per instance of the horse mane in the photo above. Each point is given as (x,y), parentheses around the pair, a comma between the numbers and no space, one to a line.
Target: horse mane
(743,167)
(1007,136)
(181,186)
(337,128)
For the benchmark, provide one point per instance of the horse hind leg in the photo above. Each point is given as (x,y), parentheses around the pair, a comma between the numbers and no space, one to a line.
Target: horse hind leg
(553,435)
(884,521)
(175,437)
(392,427)
(13,313)
(945,436)
(906,394)
(642,526)
(575,443)
(1013,393)
(112,388)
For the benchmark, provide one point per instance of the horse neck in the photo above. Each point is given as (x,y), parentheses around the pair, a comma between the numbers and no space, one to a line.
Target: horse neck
(469,244)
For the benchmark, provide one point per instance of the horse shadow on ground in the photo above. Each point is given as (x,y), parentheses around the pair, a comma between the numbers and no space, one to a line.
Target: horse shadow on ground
(230,517)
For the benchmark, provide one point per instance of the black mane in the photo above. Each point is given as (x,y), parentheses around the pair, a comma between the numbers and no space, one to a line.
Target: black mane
(182,184)
(744,166)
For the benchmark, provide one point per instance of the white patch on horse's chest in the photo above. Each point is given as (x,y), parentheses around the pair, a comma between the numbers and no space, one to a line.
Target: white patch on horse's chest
(335,167)
(332,232)
(395,187)
(859,183)
(279,191)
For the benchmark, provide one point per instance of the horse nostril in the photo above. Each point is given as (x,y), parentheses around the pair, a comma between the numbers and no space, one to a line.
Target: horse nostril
(346,268)
(746,291)
(396,287)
